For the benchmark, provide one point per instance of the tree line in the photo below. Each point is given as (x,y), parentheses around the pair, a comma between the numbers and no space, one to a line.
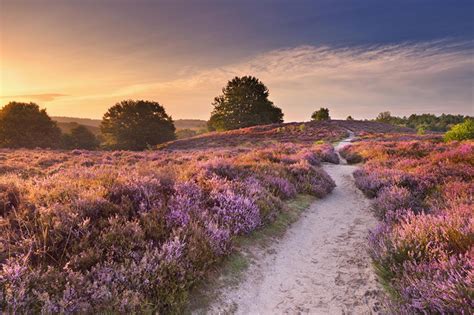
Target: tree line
(136,124)
(140,124)
(423,122)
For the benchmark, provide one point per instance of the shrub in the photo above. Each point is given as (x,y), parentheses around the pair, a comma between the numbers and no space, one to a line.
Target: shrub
(462,131)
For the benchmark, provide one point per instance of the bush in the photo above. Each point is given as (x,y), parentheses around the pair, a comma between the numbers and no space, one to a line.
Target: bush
(459,132)
(80,138)
(321,114)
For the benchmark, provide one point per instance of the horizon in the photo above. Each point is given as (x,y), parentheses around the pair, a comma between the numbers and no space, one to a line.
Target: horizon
(356,59)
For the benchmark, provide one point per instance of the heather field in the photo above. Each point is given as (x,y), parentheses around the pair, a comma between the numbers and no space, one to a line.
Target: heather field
(134,232)
(124,231)
(422,249)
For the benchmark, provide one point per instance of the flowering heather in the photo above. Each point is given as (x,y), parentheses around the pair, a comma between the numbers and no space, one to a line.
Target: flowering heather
(94,232)
(423,250)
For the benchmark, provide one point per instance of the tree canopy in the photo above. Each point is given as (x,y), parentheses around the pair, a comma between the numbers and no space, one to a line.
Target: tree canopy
(25,125)
(321,114)
(136,125)
(80,138)
(244,102)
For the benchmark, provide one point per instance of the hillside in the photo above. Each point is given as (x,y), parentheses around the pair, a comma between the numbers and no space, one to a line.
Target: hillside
(306,132)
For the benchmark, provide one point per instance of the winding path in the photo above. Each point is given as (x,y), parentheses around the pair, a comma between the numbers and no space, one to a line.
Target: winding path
(320,266)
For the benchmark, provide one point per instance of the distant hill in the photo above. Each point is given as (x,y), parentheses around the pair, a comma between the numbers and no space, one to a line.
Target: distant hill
(68,122)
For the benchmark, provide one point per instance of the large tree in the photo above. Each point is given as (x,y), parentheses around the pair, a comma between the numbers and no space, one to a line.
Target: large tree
(244,102)
(136,125)
(25,125)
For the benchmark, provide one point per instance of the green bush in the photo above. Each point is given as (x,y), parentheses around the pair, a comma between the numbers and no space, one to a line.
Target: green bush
(459,132)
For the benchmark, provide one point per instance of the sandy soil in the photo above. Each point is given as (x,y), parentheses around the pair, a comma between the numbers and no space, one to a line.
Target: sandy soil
(320,266)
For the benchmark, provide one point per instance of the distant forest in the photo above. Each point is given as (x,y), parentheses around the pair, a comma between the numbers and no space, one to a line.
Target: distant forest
(423,122)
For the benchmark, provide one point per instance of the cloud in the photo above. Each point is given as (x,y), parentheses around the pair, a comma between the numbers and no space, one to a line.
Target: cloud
(360,81)
(46,97)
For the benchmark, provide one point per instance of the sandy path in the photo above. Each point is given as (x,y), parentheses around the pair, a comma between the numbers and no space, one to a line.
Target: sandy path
(320,266)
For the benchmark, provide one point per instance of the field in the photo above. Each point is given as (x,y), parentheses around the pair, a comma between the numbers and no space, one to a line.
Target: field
(423,193)
(96,231)
(101,231)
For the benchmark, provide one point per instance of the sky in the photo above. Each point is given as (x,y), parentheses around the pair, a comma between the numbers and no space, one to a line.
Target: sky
(358,58)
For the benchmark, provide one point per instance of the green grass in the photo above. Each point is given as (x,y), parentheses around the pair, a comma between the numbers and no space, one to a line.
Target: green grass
(230,270)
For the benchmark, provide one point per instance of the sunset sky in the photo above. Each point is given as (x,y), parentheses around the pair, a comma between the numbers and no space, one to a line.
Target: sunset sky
(78,58)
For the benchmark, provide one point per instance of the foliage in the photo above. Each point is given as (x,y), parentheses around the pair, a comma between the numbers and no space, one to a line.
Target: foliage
(25,125)
(244,102)
(80,138)
(136,125)
(423,122)
(423,248)
(462,131)
(321,114)
(349,118)
(130,232)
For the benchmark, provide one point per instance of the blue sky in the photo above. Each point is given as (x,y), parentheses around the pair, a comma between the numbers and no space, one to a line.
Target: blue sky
(357,57)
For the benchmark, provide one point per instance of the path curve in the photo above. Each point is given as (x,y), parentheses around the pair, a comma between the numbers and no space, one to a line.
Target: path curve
(320,266)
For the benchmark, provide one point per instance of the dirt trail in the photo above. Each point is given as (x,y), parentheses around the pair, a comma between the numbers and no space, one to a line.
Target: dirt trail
(320,266)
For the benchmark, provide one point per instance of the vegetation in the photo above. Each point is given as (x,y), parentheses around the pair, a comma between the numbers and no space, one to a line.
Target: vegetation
(462,131)
(136,125)
(423,122)
(80,137)
(244,102)
(130,232)
(25,125)
(321,114)
(423,248)
(349,118)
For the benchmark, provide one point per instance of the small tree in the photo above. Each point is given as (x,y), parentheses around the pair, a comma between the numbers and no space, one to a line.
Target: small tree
(385,117)
(244,102)
(80,138)
(349,118)
(136,125)
(25,125)
(462,131)
(321,114)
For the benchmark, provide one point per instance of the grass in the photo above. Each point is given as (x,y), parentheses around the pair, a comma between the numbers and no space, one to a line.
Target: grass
(230,270)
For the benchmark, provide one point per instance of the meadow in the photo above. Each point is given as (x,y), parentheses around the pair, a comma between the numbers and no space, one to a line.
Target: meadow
(423,193)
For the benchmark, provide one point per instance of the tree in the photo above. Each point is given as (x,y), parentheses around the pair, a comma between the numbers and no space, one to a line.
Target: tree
(136,125)
(25,125)
(459,132)
(80,138)
(385,117)
(321,114)
(244,102)
(349,118)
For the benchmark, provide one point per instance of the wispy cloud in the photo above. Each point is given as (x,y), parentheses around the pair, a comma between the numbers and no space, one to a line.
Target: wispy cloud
(46,97)
(359,81)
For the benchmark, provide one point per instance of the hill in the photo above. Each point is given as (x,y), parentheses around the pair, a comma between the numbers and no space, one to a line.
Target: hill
(306,132)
